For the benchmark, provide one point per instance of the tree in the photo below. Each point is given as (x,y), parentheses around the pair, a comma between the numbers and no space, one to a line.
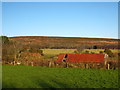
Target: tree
(109,52)
(8,53)
(5,39)
(94,47)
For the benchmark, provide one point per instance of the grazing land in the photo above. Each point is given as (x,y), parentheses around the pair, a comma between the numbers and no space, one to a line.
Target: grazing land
(58,51)
(52,52)
(65,42)
(44,77)
(28,48)
(35,52)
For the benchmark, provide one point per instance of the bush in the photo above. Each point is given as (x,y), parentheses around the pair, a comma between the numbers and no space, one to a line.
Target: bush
(109,52)
(8,54)
(86,52)
(94,47)
(101,52)
(92,52)
(80,50)
(35,50)
(75,52)
(4,39)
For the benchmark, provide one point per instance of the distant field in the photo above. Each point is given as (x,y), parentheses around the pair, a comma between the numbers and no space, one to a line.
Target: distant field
(44,77)
(58,51)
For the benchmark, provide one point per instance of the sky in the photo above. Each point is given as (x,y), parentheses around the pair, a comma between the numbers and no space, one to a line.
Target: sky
(68,19)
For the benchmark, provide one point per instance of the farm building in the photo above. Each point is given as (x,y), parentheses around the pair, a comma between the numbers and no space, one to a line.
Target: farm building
(81,58)
(84,60)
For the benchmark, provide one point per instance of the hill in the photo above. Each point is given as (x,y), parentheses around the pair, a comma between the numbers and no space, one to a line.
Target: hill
(65,42)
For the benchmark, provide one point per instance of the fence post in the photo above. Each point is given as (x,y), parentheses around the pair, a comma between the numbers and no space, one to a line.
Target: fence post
(14,62)
(50,64)
(31,63)
(108,66)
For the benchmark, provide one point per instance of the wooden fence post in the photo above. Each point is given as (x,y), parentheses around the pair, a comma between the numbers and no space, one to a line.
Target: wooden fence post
(14,62)
(108,66)
(31,63)
(66,65)
(50,64)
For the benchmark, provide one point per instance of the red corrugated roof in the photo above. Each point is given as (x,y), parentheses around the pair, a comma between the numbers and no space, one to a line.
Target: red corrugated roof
(74,58)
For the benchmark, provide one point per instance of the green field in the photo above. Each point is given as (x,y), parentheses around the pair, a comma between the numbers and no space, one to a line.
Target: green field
(0,75)
(52,52)
(58,51)
(44,77)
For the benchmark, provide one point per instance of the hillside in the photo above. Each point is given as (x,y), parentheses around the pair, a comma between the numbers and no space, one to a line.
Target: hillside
(65,42)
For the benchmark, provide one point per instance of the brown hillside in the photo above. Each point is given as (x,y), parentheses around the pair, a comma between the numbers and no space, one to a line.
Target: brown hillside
(65,42)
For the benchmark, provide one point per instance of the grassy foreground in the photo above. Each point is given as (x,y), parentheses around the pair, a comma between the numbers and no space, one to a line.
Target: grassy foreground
(44,77)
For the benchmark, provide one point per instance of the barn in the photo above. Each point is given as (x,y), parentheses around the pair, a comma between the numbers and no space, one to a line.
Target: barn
(81,58)
(91,60)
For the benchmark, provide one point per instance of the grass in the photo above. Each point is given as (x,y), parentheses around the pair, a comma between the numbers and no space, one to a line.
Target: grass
(44,77)
(0,75)
(52,52)
(57,51)
(98,50)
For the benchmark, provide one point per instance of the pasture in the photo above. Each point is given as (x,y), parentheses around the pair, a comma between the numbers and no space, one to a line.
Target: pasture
(52,52)
(44,77)
(0,75)
(58,51)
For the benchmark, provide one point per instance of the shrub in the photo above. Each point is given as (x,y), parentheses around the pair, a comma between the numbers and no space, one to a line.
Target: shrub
(75,52)
(4,39)
(92,52)
(101,52)
(86,52)
(80,50)
(94,47)
(109,52)
(8,54)
(35,50)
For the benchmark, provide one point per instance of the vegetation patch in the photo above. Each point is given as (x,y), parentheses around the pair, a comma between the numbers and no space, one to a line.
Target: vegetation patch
(44,77)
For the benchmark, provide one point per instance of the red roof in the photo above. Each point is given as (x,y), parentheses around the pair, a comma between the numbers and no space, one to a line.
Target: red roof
(77,58)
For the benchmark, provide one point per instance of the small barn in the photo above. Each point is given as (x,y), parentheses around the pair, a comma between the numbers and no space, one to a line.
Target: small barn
(87,59)
(81,58)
